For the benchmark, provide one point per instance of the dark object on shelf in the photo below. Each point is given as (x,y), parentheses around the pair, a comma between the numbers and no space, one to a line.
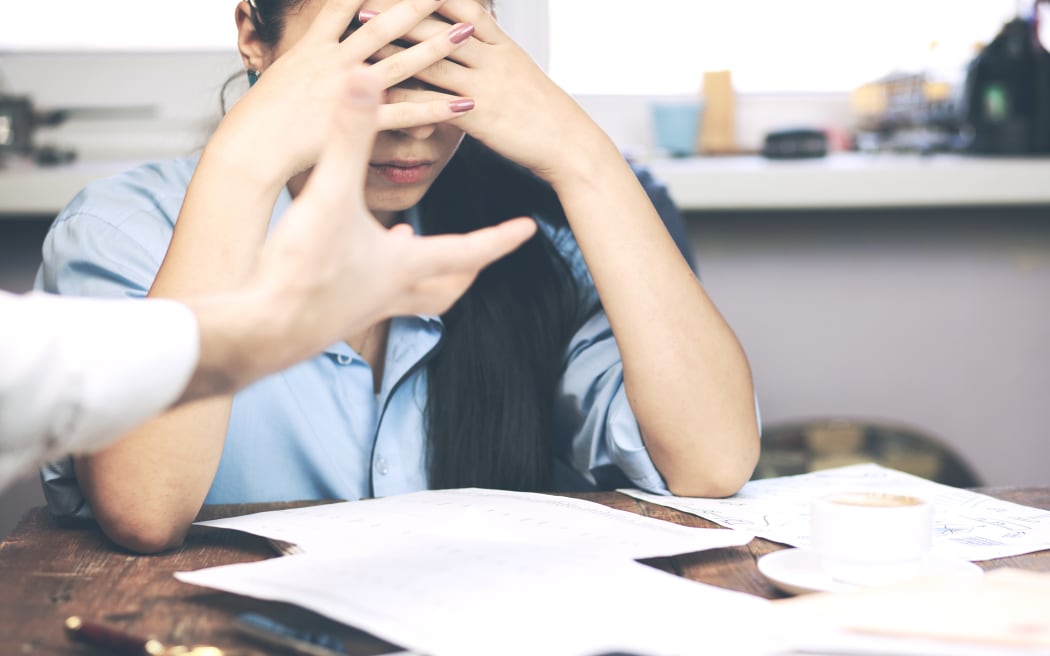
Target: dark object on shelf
(16,126)
(798,143)
(1007,100)
(19,121)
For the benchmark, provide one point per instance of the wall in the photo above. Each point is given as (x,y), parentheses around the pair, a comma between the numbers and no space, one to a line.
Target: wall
(937,319)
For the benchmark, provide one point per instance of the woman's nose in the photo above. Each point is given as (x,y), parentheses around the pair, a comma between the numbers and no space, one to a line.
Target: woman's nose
(408,91)
(419,132)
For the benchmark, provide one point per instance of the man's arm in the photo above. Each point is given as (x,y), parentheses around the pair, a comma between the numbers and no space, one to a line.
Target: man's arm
(76,373)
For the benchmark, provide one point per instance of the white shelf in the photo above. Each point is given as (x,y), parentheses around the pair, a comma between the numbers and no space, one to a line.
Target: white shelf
(26,189)
(853,181)
(704,183)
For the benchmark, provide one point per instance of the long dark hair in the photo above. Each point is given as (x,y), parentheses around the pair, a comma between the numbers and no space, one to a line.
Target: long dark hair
(491,385)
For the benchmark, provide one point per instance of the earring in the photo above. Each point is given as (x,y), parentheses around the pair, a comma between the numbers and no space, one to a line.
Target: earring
(253,77)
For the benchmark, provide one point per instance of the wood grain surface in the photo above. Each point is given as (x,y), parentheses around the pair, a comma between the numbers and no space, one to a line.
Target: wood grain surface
(50,571)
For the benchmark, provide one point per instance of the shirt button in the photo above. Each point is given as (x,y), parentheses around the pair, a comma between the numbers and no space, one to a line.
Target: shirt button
(382,467)
(343,359)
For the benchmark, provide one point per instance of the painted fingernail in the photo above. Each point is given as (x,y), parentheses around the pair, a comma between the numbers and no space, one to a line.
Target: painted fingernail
(461,105)
(460,32)
(366,15)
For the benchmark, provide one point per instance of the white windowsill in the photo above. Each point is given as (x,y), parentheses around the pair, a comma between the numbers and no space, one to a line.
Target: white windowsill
(854,181)
(846,181)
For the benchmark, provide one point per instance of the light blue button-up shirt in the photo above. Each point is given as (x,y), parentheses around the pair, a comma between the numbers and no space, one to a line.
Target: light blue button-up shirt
(318,430)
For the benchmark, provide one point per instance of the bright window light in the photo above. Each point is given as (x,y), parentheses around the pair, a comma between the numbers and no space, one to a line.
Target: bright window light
(118,25)
(664,46)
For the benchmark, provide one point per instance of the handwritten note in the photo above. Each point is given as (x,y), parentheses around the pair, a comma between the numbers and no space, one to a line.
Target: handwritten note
(967,525)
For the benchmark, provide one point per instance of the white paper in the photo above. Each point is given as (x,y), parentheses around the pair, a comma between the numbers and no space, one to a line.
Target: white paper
(465,598)
(843,643)
(967,525)
(485,572)
(1003,613)
(373,526)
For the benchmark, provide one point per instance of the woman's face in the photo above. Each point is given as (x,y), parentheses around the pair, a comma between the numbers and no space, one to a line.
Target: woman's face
(404,163)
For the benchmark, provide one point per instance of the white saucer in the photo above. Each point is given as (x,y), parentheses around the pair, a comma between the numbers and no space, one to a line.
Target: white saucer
(797,571)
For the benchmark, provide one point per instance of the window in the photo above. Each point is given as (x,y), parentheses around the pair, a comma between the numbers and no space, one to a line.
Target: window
(118,25)
(186,25)
(664,46)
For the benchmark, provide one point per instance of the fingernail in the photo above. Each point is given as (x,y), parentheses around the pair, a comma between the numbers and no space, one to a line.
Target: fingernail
(461,105)
(460,32)
(366,15)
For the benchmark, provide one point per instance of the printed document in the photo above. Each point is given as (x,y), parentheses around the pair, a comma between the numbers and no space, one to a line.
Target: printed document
(465,572)
(364,527)
(967,525)
(469,598)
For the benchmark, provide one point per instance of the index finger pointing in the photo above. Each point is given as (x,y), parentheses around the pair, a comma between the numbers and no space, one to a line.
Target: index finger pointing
(473,251)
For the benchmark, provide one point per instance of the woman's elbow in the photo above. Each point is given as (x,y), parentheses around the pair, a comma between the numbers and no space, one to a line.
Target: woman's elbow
(717,477)
(144,535)
(708,487)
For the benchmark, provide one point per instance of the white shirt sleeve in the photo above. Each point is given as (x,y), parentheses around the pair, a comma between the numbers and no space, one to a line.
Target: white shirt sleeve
(77,373)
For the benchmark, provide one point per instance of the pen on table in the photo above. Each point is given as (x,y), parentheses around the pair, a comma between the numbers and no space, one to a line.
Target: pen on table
(307,643)
(119,643)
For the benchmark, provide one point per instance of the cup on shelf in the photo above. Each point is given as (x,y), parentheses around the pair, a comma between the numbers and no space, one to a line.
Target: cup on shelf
(676,126)
(871,538)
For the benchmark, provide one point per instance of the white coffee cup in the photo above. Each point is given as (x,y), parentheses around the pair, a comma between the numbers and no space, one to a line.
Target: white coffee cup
(871,538)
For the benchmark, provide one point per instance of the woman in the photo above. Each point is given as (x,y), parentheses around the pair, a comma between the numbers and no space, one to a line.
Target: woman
(591,357)
(67,360)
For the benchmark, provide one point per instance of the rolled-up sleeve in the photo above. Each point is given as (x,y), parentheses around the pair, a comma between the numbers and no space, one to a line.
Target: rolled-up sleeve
(89,254)
(598,433)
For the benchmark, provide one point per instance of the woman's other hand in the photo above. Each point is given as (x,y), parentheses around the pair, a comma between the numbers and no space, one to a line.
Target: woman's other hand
(520,112)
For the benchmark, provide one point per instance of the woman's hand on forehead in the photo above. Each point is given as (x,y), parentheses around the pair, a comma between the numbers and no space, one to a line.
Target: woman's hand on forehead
(298,91)
(451,12)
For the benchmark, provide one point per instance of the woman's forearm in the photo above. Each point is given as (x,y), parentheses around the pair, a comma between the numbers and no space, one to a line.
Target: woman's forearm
(686,376)
(146,490)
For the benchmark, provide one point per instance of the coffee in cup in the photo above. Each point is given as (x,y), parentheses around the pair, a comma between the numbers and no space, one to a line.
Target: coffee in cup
(871,538)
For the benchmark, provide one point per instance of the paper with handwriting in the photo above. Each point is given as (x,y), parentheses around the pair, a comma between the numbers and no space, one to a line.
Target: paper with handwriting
(361,527)
(967,525)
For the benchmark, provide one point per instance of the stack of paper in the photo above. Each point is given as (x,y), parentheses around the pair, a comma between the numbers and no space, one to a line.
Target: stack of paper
(485,572)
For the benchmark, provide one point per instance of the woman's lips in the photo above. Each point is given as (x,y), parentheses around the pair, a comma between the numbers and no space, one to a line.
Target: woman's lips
(402,172)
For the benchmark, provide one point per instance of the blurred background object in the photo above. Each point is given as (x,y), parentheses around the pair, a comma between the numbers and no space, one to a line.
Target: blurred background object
(795,143)
(677,126)
(1006,104)
(719,134)
(999,104)
(906,112)
(20,120)
(800,447)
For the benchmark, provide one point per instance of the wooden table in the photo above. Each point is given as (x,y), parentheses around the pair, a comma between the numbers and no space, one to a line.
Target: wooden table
(50,571)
